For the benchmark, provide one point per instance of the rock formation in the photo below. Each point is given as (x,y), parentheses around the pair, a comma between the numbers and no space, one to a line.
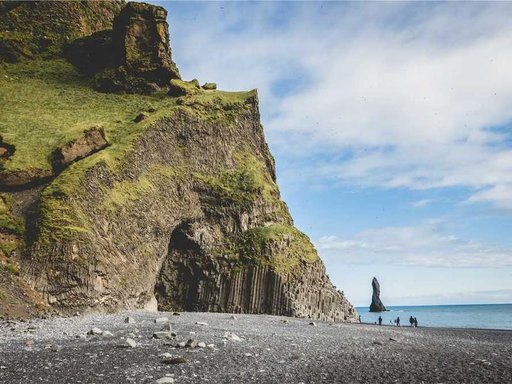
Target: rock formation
(179,208)
(376,305)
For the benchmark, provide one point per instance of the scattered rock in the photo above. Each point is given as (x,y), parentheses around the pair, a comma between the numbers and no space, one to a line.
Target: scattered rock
(180,88)
(95,332)
(211,346)
(209,86)
(129,343)
(165,380)
(201,323)
(191,343)
(175,360)
(233,317)
(165,355)
(391,339)
(141,116)
(129,320)
(107,334)
(166,328)
(377,342)
(201,345)
(313,324)
(232,336)
(162,335)
(92,141)
(161,320)
(181,344)
(176,314)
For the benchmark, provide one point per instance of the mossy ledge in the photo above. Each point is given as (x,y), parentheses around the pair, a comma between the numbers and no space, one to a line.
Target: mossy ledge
(175,204)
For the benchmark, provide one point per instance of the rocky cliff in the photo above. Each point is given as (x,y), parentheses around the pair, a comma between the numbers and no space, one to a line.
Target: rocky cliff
(125,187)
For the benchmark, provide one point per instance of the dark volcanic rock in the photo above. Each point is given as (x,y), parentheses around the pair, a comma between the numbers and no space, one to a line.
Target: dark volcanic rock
(141,41)
(139,60)
(376,305)
(92,141)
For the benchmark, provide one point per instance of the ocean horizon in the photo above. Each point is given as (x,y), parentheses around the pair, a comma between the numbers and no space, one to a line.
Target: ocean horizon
(484,316)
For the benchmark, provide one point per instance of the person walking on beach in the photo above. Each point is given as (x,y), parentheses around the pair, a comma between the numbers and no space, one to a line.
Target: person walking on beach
(411,320)
(380,320)
(398,321)
(415,323)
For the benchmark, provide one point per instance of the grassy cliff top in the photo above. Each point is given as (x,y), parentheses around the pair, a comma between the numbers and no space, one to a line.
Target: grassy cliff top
(46,104)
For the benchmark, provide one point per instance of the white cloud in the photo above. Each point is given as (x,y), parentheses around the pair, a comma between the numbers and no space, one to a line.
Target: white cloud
(425,246)
(500,195)
(391,95)
(420,203)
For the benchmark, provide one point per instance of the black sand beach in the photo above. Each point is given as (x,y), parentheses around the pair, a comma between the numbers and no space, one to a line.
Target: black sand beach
(272,350)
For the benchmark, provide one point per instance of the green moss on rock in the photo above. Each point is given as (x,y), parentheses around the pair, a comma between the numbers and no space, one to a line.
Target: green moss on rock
(288,246)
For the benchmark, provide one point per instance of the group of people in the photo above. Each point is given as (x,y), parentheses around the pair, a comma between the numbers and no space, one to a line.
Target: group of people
(396,322)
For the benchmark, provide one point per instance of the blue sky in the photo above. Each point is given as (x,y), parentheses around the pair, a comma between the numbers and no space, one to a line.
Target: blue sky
(390,125)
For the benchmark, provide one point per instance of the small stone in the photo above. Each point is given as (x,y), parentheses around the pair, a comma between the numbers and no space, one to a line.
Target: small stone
(181,344)
(95,331)
(298,356)
(191,333)
(131,335)
(176,314)
(56,348)
(167,328)
(129,343)
(285,321)
(233,317)
(391,339)
(107,334)
(129,320)
(165,380)
(162,320)
(175,360)
(377,342)
(29,343)
(211,346)
(201,345)
(232,336)
(140,117)
(209,86)
(248,354)
(191,343)
(313,324)
(201,323)
(165,355)
(161,335)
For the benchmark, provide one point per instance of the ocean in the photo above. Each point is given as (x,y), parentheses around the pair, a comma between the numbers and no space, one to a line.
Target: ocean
(488,316)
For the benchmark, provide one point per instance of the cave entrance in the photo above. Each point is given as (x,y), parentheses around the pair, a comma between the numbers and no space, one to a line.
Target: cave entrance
(181,275)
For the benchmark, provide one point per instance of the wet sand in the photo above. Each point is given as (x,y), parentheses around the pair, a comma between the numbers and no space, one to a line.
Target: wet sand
(272,350)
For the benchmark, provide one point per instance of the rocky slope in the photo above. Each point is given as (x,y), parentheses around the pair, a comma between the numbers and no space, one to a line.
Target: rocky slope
(157,193)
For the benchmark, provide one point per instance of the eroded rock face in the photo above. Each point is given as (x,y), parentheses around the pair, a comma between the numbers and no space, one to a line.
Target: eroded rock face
(133,57)
(171,223)
(376,305)
(141,40)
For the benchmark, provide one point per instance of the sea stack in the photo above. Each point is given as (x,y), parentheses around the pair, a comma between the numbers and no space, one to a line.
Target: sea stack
(376,305)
